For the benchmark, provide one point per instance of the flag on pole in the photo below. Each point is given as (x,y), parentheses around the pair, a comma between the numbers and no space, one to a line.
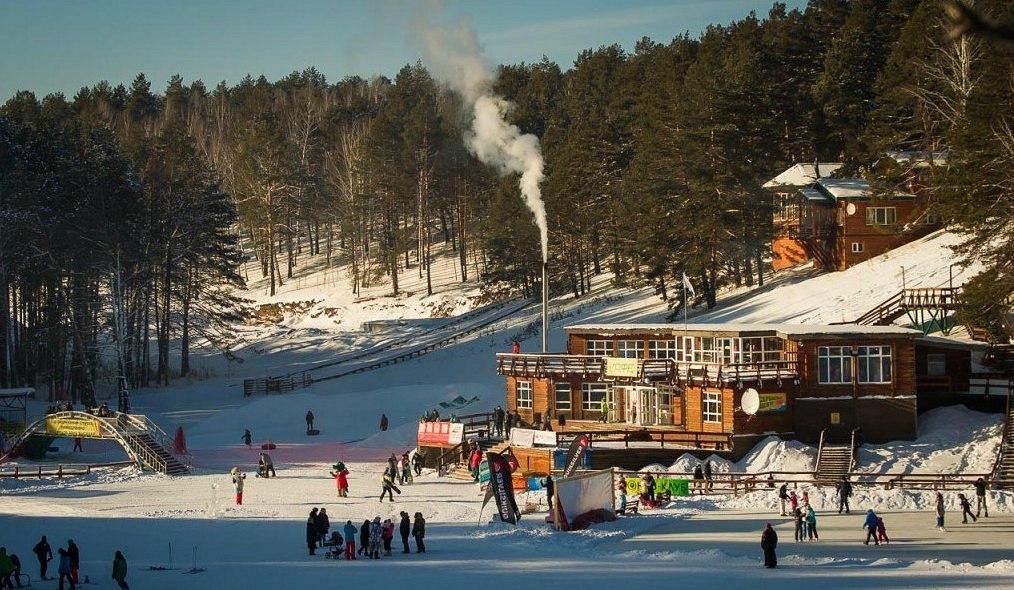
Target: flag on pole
(688,286)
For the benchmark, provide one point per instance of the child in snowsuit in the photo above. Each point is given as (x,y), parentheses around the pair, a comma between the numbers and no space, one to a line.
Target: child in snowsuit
(798,534)
(350,540)
(376,535)
(387,535)
(870,524)
(793,502)
(406,469)
(237,480)
(882,531)
(966,509)
(811,523)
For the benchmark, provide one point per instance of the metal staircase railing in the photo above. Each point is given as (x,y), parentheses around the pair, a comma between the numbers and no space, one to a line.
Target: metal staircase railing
(1005,441)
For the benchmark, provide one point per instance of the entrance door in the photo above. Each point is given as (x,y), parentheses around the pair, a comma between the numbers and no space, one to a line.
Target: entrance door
(640,405)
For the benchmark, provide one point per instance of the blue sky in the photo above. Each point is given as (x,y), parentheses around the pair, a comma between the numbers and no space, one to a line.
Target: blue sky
(61,45)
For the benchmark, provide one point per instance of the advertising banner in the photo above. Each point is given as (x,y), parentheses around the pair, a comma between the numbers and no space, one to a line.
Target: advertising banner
(621,367)
(502,488)
(435,433)
(676,487)
(772,403)
(527,438)
(72,427)
(584,499)
(575,453)
(456,433)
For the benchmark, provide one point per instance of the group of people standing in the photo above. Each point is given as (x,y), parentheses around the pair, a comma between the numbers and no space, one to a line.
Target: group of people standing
(68,566)
(375,537)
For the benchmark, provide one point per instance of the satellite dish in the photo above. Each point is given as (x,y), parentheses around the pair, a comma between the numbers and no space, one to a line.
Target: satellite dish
(750,401)
(850,208)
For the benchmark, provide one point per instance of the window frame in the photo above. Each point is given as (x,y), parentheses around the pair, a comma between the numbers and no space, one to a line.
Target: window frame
(591,387)
(830,356)
(858,247)
(890,215)
(591,347)
(518,398)
(556,396)
(670,348)
(876,361)
(624,347)
(711,406)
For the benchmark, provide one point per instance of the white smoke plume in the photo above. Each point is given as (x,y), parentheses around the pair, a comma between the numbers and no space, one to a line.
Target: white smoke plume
(454,56)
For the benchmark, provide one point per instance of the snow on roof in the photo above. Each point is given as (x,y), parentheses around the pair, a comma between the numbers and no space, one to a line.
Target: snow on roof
(918,158)
(845,188)
(812,194)
(802,174)
(787,330)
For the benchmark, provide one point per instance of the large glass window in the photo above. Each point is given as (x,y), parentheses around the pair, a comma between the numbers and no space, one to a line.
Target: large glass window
(562,396)
(706,350)
(592,395)
(881,215)
(524,395)
(630,349)
(936,364)
(756,349)
(711,406)
(664,349)
(599,347)
(834,364)
(874,364)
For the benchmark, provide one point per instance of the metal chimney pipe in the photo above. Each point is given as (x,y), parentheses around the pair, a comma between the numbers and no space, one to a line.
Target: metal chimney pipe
(545,307)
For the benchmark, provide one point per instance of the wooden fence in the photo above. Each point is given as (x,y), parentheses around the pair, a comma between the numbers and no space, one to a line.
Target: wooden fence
(61,471)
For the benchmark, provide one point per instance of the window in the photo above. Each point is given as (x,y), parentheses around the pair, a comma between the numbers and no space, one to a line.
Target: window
(834,364)
(711,407)
(524,395)
(562,396)
(874,364)
(756,349)
(857,247)
(664,349)
(936,364)
(599,347)
(706,350)
(630,349)
(881,215)
(592,395)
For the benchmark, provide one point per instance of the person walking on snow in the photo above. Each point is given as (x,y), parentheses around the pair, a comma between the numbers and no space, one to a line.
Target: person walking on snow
(699,479)
(811,523)
(966,509)
(498,421)
(980,497)
(769,540)
(387,484)
(419,532)
(418,459)
(793,501)
(783,495)
(870,524)
(309,421)
(406,469)
(404,528)
(376,536)
(120,570)
(44,554)
(710,483)
(798,534)
(940,512)
(844,491)
(341,479)
(64,568)
(882,531)
(74,554)
(350,540)
(323,525)
(237,480)
(364,539)
(550,486)
(247,438)
(508,424)
(383,422)
(311,532)
(474,459)
(392,465)
(387,535)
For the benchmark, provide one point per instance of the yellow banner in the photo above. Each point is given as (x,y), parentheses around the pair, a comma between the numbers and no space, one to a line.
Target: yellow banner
(772,403)
(73,427)
(621,367)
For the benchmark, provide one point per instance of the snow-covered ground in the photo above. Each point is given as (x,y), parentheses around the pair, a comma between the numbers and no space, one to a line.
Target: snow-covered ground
(703,541)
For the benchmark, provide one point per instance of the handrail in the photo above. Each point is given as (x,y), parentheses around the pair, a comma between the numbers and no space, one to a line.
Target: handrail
(820,450)
(1005,437)
(458,450)
(853,445)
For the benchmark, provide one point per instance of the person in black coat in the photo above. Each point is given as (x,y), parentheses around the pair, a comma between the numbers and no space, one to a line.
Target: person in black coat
(323,525)
(75,560)
(769,540)
(311,532)
(844,493)
(405,527)
(364,537)
(44,554)
(419,531)
(550,489)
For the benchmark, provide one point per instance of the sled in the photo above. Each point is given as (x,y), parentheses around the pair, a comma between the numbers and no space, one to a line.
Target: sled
(312,432)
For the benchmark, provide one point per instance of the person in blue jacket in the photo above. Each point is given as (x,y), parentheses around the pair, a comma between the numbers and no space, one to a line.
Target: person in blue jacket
(870,524)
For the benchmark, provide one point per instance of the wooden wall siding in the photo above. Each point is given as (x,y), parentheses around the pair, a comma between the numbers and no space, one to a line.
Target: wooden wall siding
(539,398)
(761,423)
(534,461)
(903,378)
(958,364)
(693,405)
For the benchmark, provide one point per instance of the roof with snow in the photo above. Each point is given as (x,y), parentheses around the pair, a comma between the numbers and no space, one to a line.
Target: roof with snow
(802,174)
(795,331)
(844,188)
(919,158)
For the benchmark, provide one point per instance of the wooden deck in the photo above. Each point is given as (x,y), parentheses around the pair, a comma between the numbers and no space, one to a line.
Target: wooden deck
(597,426)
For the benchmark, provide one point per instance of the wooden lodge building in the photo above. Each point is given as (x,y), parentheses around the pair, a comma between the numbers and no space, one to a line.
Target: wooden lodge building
(839,222)
(682,387)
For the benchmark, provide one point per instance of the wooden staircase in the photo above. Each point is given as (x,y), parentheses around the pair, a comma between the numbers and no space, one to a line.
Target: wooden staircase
(1003,469)
(144,445)
(833,461)
(462,473)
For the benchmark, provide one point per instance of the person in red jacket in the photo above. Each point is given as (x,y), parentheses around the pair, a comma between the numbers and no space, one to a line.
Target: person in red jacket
(516,347)
(473,461)
(341,479)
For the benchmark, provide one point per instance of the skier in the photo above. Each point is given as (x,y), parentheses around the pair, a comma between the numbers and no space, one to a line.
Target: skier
(311,532)
(247,438)
(419,532)
(940,512)
(418,460)
(783,495)
(64,568)
(707,476)
(882,531)
(769,540)
(383,422)
(404,527)
(237,480)
(870,524)
(350,540)
(797,516)
(811,523)
(364,539)
(966,509)
(980,497)
(309,421)
(387,535)
(44,554)
(120,570)
(550,489)
(387,483)
(698,479)
(323,525)
(844,491)
(74,554)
